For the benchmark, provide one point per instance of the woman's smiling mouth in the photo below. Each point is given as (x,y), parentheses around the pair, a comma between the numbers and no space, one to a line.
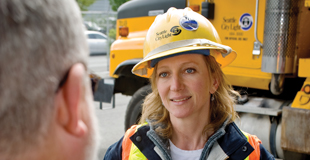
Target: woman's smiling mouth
(179,100)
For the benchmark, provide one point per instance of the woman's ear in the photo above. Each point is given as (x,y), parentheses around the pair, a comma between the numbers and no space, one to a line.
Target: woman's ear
(214,85)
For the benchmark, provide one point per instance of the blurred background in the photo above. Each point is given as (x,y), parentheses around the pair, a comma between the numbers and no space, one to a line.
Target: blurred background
(100,22)
(100,16)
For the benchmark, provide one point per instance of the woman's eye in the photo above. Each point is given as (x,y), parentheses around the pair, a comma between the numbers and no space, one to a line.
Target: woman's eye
(190,70)
(164,74)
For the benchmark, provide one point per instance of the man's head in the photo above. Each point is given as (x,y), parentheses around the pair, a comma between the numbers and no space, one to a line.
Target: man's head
(45,96)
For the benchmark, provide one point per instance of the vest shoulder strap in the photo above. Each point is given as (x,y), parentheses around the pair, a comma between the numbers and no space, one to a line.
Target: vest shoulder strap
(130,151)
(126,145)
(254,142)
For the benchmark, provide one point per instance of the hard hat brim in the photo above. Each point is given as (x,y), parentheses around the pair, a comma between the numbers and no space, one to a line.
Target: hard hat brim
(144,69)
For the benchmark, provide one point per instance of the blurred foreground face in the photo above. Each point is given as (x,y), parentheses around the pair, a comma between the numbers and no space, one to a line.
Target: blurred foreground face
(184,85)
(46,104)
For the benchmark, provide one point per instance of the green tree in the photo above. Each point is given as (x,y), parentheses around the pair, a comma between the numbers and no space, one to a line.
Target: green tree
(112,33)
(84,4)
(116,3)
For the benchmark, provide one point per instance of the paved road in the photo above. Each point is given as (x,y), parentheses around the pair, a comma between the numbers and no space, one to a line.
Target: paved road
(97,63)
(111,121)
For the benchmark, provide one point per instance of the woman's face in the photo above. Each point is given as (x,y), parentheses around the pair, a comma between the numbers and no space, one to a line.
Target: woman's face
(184,85)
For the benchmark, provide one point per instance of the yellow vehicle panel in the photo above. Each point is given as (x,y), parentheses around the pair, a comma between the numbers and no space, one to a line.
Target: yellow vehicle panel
(302,99)
(130,47)
(252,78)
(226,21)
(125,50)
(304,65)
(307,3)
(246,69)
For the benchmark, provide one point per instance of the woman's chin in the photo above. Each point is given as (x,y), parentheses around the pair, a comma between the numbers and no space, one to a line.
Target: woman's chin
(179,115)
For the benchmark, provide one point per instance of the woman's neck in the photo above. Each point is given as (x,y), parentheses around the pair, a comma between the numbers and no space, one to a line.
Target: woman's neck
(187,134)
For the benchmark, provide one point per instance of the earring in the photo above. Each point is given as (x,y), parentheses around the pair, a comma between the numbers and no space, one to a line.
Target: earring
(212,97)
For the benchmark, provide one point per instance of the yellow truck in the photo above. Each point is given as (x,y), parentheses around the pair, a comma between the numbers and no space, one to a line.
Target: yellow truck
(271,71)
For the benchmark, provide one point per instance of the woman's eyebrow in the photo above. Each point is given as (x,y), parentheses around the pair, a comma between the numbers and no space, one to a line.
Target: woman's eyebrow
(191,62)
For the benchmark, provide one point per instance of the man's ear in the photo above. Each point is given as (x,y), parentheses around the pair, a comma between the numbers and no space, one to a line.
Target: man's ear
(71,97)
(214,85)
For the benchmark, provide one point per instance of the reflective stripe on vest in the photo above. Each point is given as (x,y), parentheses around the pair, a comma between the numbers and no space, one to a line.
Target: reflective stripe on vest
(254,142)
(130,150)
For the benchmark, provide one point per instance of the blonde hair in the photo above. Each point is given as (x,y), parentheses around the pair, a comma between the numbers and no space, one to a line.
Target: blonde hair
(221,107)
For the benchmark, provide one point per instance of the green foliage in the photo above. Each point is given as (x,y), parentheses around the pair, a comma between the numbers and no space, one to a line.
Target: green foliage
(84,4)
(112,33)
(116,3)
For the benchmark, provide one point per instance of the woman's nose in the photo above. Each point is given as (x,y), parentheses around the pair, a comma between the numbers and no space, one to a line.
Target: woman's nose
(176,83)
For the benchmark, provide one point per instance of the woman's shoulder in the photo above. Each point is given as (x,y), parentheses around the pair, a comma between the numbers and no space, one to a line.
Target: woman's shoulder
(259,150)
(234,135)
(116,150)
(256,143)
(143,128)
(135,127)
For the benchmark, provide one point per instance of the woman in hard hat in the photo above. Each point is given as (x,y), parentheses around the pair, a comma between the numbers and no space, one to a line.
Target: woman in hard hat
(189,114)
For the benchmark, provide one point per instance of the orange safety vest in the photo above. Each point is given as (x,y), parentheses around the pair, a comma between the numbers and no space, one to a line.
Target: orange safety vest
(131,152)
(254,142)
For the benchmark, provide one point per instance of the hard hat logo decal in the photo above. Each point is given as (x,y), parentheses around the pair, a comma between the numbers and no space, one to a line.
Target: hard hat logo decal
(246,21)
(188,23)
(162,35)
(175,30)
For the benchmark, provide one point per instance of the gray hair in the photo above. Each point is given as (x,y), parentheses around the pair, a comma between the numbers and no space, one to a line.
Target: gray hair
(39,41)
